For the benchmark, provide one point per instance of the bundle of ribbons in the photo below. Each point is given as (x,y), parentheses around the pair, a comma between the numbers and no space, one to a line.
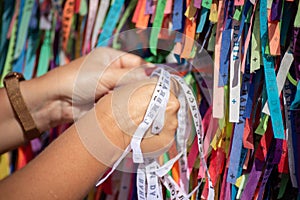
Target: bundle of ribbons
(250,121)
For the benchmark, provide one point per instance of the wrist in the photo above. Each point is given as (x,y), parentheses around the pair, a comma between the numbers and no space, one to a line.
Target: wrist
(40,96)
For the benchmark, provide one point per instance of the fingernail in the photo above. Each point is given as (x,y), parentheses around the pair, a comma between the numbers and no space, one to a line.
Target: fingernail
(149,71)
(150,65)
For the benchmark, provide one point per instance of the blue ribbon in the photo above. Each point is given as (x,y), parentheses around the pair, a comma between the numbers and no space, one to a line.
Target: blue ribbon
(33,42)
(6,18)
(110,22)
(225,45)
(18,63)
(270,77)
(177,15)
(234,189)
(237,142)
(203,16)
(237,158)
(254,86)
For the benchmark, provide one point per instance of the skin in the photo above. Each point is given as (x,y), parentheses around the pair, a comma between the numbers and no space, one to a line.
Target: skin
(65,169)
(54,106)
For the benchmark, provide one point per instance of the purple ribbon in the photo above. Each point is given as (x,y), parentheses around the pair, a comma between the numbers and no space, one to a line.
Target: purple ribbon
(276,10)
(295,121)
(149,7)
(275,152)
(197,3)
(296,47)
(253,179)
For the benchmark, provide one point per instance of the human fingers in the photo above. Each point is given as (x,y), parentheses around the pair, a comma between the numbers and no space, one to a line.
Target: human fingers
(108,129)
(121,59)
(129,116)
(129,60)
(166,137)
(113,77)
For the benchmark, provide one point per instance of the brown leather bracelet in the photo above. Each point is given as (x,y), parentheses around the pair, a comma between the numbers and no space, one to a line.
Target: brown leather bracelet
(11,83)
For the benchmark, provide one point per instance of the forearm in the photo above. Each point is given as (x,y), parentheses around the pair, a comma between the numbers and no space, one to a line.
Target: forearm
(43,105)
(65,170)
(72,164)
(48,99)
(52,100)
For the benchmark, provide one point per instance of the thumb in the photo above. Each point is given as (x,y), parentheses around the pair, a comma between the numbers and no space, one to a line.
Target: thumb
(114,77)
(132,61)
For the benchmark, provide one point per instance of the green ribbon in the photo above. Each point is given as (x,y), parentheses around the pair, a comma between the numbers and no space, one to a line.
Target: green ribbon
(297,18)
(206,4)
(10,53)
(158,19)
(46,52)
(83,10)
(291,79)
(24,23)
(238,13)
(263,125)
(212,39)
(284,181)
(256,58)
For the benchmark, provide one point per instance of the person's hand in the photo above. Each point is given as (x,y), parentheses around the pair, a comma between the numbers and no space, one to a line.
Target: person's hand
(76,159)
(107,129)
(84,81)
(69,91)
(128,105)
